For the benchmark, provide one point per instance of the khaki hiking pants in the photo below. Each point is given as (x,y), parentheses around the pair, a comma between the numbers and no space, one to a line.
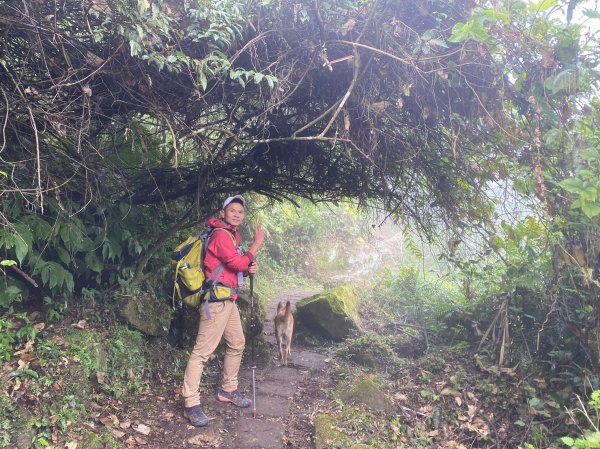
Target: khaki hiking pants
(224,322)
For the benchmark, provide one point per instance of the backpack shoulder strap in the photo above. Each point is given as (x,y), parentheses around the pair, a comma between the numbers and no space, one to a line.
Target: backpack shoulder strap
(228,232)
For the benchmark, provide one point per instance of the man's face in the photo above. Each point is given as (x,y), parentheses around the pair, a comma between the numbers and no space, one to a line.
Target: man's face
(233,214)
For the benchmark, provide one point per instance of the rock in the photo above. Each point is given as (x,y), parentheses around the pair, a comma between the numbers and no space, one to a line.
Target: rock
(364,391)
(326,433)
(145,313)
(333,313)
(408,347)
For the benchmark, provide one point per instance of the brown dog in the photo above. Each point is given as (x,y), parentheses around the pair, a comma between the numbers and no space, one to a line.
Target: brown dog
(284,328)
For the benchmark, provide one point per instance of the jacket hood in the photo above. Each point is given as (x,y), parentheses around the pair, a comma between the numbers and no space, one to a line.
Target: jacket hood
(214,222)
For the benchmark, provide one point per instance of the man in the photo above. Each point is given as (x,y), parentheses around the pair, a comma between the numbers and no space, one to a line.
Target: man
(219,315)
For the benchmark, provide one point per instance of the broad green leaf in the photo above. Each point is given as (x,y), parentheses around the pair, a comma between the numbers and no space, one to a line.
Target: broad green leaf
(591,13)
(479,33)
(203,81)
(10,294)
(143,5)
(19,238)
(140,32)
(591,209)
(52,274)
(587,174)
(85,244)
(63,255)
(65,235)
(111,250)
(40,227)
(590,154)
(566,80)
(34,374)
(567,441)
(55,274)
(124,208)
(592,438)
(135,47)
(438,43)
(93,263)
(45,272)
(496,242)
(572,185)
(24,233)
(7,263)
(552,138)
(73,237)
(21,249)
(258,77)
(460,33)
(542,5)
(69,282)
(590,193)
(496,16)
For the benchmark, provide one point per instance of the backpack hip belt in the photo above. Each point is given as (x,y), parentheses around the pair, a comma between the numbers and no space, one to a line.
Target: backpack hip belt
(229,294)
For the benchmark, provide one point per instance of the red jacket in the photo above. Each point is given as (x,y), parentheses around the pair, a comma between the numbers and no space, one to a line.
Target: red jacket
(221,250)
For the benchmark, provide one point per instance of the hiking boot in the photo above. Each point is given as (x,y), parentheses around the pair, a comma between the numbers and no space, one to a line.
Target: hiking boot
(196,416)
(235,397)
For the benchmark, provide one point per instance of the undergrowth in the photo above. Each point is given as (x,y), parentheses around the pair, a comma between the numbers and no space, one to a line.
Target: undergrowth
(418,340)
(53,373)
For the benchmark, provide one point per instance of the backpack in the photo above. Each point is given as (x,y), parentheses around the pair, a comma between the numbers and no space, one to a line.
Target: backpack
(191,284)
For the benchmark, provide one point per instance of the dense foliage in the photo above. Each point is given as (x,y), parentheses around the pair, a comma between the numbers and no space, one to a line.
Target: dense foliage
(124,122)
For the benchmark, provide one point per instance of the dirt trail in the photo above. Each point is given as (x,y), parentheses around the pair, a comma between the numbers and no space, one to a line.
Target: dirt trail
(230,427)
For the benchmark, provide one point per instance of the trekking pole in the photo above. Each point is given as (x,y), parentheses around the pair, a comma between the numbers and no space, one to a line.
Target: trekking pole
(252,327)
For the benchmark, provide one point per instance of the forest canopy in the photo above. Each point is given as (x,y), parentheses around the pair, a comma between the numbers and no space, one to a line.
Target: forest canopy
(119,112)
(149,102)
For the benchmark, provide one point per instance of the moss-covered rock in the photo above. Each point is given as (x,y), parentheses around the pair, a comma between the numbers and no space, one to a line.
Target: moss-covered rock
(145,313)
(327,435)
(364,391)
(333,313)
(408,347)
